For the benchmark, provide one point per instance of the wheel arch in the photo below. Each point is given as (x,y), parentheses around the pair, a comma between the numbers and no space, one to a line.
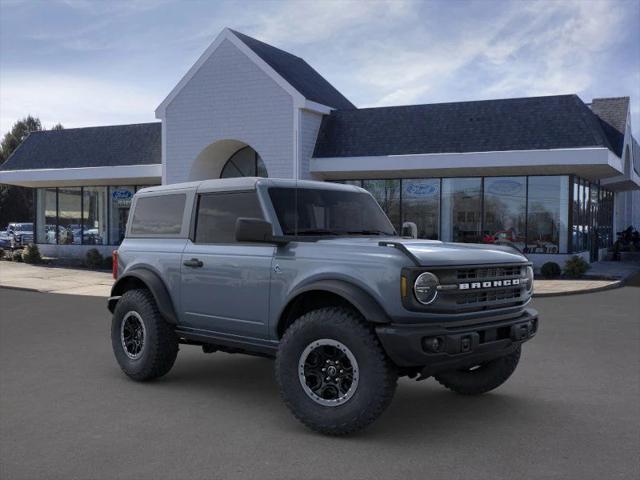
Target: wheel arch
(325,293)
(143,278)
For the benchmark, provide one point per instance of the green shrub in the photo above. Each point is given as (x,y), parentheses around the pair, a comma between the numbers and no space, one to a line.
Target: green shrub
(1,253)
(16,256)
(107,263)
(550,270)
(576,267)
(93,258)
(31,254)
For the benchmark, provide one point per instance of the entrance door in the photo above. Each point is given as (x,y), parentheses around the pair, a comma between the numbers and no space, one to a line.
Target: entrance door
(225,285)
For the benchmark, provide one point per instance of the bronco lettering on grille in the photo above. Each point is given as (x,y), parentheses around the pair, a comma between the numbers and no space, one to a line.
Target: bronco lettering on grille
(489,284)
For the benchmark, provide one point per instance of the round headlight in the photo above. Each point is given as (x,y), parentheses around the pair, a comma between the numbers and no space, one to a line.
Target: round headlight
(530,279)
(425,288)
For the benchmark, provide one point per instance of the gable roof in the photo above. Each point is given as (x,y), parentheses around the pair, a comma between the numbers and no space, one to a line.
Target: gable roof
(110,146)
(612,113)
(298,73)
(533,123)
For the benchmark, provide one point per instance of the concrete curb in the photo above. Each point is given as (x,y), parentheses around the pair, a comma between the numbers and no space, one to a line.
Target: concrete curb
(616,284)
(24,289)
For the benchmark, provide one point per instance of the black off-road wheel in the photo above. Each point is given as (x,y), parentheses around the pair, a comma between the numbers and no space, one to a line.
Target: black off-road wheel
(333,373)
(144,345)
(480,378)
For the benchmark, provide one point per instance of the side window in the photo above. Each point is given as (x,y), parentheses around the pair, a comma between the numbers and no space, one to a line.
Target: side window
(218,212)
(158,215)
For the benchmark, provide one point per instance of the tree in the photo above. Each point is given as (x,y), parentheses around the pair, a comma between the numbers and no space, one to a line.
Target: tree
(16,203)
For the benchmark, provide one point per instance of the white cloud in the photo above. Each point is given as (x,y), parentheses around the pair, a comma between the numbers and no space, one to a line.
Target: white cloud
(73,101)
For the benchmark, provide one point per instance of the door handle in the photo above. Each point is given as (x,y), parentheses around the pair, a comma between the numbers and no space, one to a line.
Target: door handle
(194,262)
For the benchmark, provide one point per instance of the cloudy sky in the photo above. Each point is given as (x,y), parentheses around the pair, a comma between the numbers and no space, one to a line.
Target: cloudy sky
(83,63)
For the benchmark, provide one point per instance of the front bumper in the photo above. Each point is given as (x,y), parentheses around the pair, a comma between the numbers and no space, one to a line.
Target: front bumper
(460,344)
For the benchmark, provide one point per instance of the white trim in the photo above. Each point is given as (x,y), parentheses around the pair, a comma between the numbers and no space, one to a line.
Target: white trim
(601,160)
(42,177)
(227,34)
(316,107)
(163,151)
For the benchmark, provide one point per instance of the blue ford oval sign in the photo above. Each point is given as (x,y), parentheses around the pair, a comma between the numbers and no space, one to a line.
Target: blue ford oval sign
(422,189)
(122,194)
(505,187)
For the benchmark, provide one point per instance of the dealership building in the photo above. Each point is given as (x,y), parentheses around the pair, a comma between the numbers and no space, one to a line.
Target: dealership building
(554,176)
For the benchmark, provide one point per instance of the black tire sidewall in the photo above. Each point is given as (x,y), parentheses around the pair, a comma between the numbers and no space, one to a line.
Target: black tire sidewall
(141,302)
(373,368)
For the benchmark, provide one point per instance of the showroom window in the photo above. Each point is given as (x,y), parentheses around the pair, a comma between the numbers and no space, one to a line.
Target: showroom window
(461,209)
(94,216)
(69,216)
(547,219)
(46,215)
(387,194)
(421,207)
(119,205)
(505,211)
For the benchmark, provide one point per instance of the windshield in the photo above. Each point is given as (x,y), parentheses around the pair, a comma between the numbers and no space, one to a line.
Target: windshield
(23,227)
(328,212)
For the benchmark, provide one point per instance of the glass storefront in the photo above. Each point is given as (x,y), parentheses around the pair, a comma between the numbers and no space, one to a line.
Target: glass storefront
(94,216)
(387,193)
(421,206)
(46,215)
(69,216)
(82,215)
(461,209)
(532,213)
(119,203)
(548,214)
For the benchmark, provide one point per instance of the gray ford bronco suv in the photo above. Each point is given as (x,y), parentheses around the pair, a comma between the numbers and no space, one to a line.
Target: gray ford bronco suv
(314,274)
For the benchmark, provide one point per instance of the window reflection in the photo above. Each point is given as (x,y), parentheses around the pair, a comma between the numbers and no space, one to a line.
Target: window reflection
(505,203)
(461,209)
(94,215)
(46,215)
(387,194)
(421,207)
(69,216)
(548,214)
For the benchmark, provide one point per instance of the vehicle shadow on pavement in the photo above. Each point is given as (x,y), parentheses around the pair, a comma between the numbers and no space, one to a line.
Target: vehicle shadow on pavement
(423,409)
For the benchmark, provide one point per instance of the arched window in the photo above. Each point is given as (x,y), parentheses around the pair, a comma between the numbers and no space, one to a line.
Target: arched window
(244,163)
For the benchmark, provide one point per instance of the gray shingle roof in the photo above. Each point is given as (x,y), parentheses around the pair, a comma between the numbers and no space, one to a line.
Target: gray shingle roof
(109,146)
(298,73)
(534,123)
(613,116)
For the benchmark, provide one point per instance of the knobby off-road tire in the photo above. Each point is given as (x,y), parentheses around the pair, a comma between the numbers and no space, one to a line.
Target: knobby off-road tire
(155,354)
(375,377)
(480,379)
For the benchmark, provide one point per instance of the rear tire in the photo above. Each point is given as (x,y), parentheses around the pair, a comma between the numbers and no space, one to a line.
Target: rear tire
(144,345)
(363,381)
(482,378)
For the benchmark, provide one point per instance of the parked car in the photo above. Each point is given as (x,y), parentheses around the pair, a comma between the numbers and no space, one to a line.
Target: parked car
(17,235)
(314,275)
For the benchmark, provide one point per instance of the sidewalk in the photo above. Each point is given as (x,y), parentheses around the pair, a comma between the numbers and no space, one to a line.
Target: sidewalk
(75,281)
(72,281)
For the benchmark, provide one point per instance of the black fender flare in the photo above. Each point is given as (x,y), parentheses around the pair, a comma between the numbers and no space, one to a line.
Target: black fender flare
(154,284)
(370,309)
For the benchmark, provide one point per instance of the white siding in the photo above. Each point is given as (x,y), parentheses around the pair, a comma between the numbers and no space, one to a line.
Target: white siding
(309,126)
(229,98)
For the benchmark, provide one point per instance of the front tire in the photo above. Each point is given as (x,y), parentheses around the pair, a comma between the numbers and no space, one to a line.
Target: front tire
(332,372)
(144,345)
(481,378)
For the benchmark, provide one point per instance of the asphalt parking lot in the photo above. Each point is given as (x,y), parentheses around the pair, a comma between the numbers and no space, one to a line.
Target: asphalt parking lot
(571,410)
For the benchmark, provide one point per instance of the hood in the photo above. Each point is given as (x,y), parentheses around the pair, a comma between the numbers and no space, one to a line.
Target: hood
(432,253)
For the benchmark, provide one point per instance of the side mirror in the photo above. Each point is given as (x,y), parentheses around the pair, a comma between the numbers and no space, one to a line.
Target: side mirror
(255,230)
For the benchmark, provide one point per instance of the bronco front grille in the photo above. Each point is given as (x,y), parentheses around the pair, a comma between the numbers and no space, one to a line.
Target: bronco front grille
(490,273)
(477,288)
(488,296)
